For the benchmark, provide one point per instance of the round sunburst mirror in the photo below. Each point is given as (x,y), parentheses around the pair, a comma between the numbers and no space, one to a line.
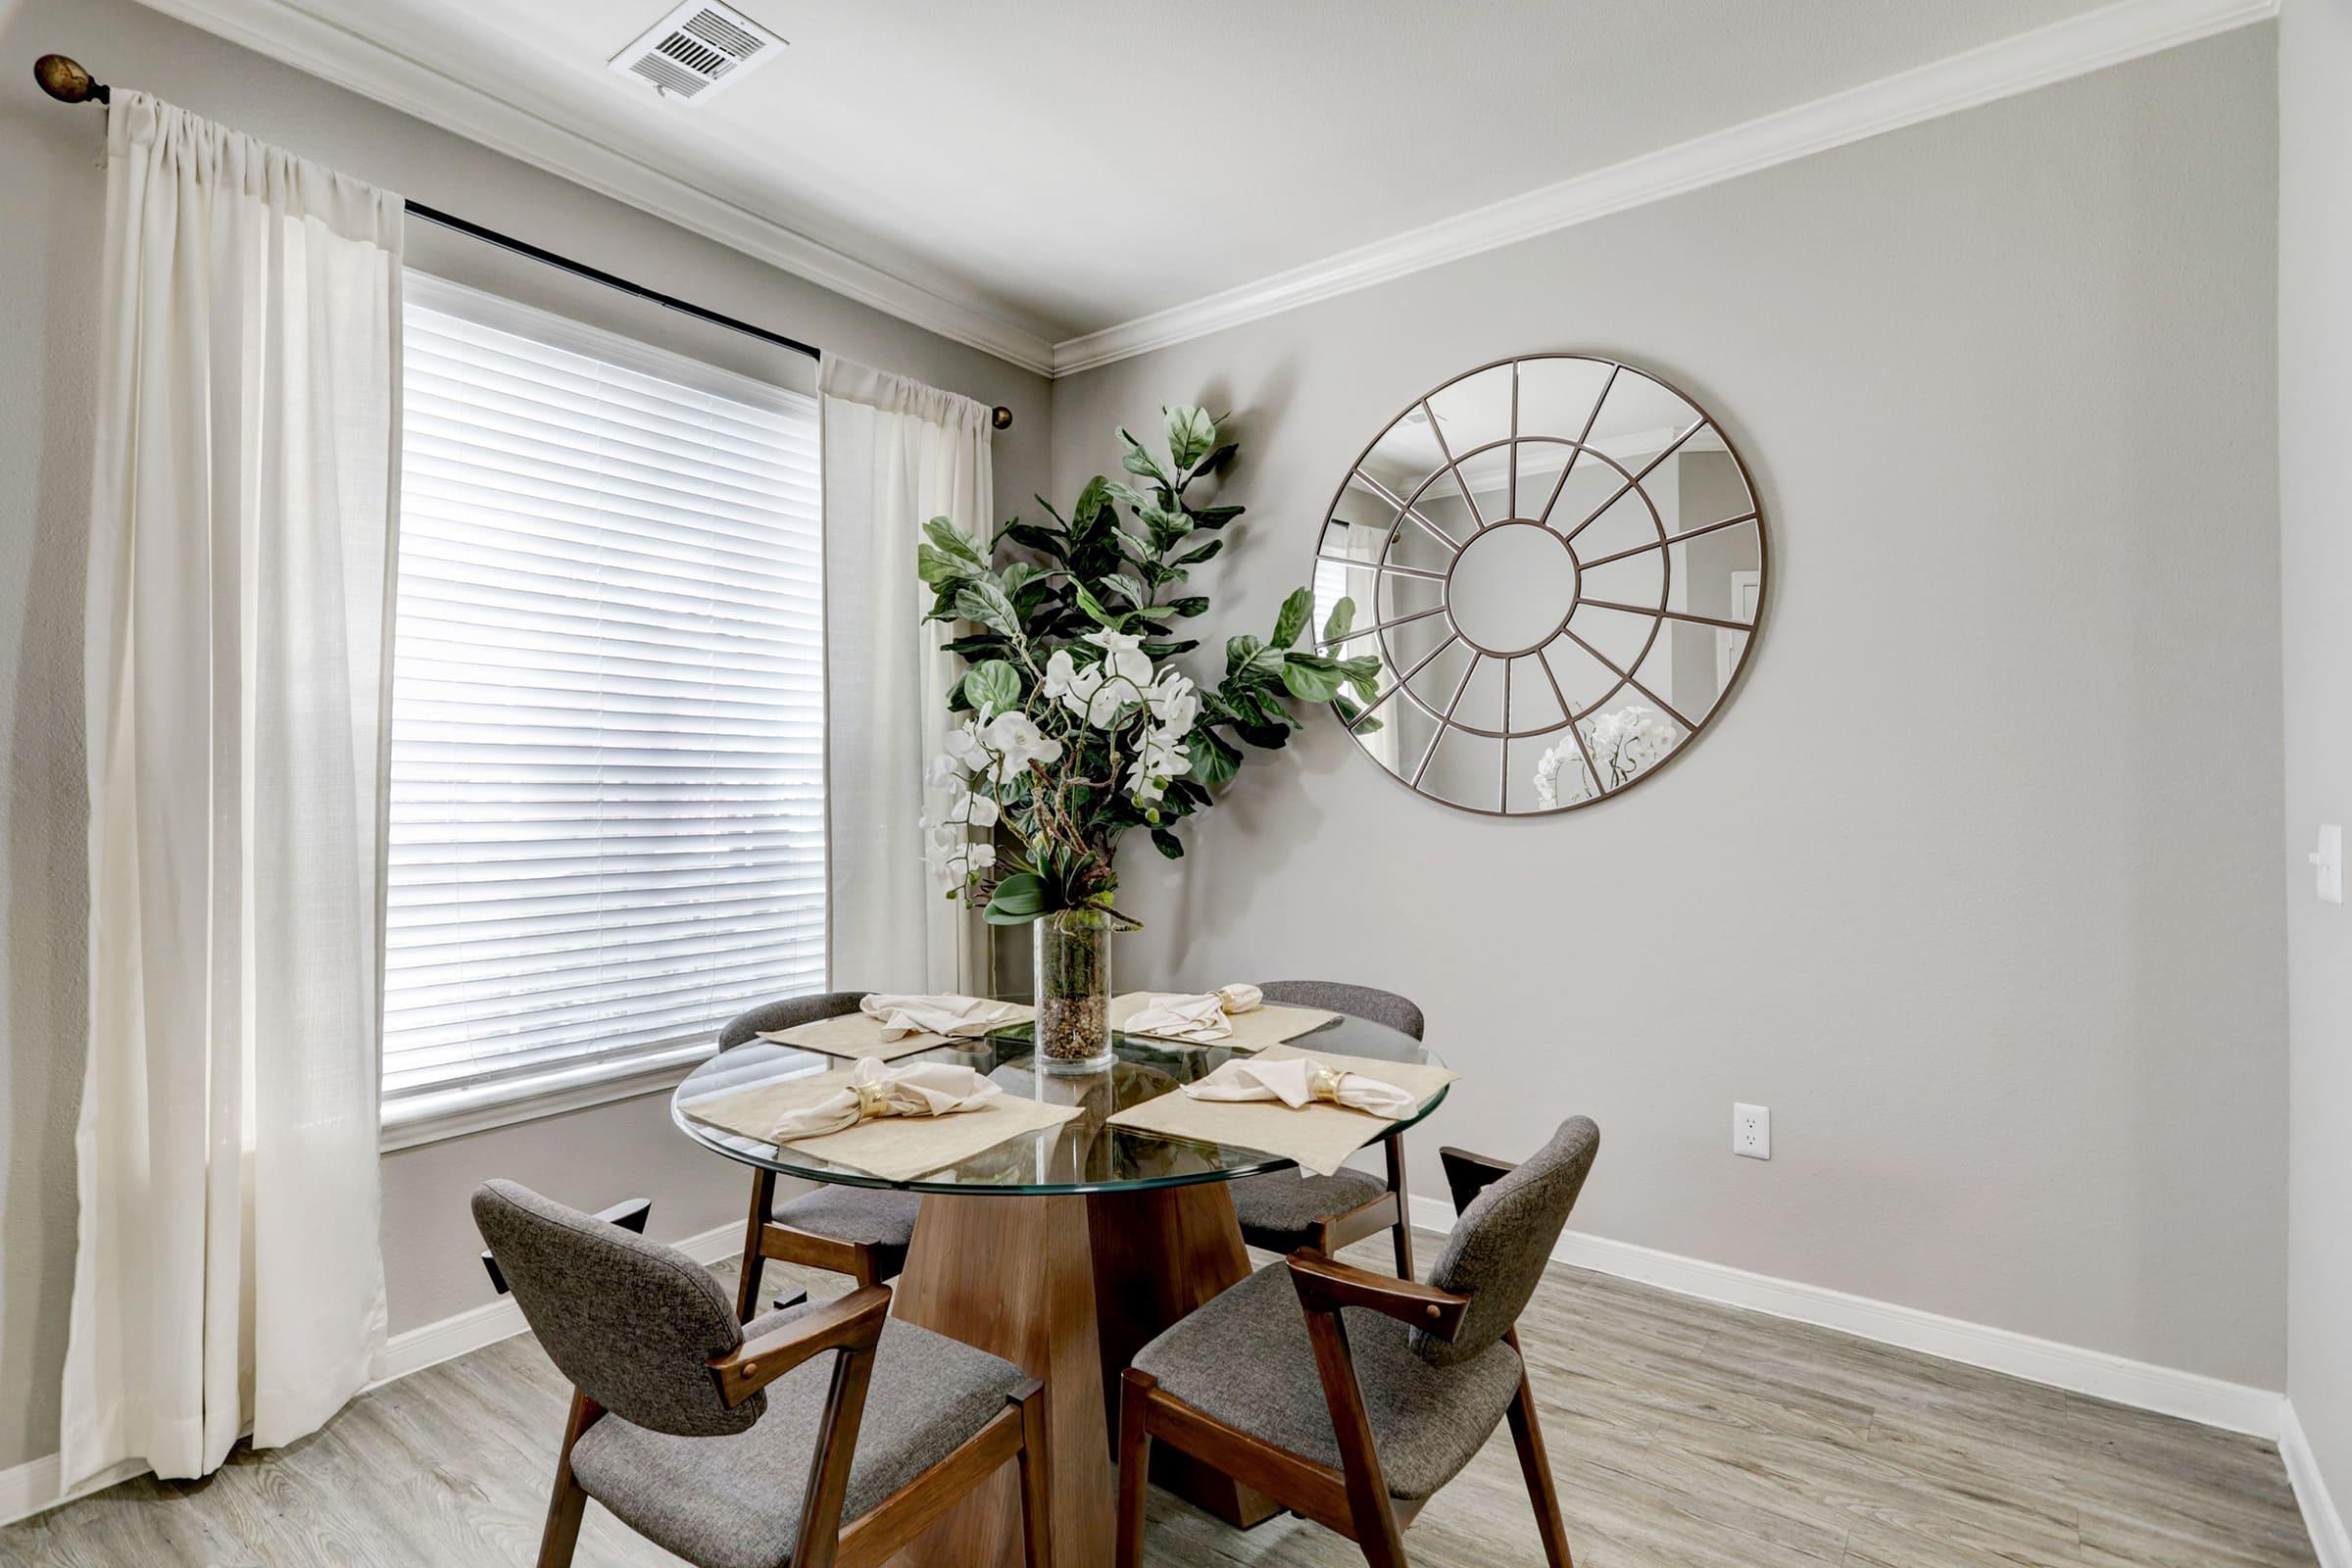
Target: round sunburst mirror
(1558,563)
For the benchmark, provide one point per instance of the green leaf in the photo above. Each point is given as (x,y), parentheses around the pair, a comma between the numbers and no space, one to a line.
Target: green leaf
(1190,434)
(1160,652)
(1135,593)
(983,645)
(1215,460)
(1311,678)
(1213,761)
(1167,843)
(1363,673)
(1296,610)
(1052,542)
(953,541)
(994,686)
(1343,618)
(1193,557)
(1246,656)
(985,601)
(1094,609)
(1349,713)
(1192,606)
(939,569)
(1213,516)
(1018,899)
(1139,461)
(1019,573)
(1092,508)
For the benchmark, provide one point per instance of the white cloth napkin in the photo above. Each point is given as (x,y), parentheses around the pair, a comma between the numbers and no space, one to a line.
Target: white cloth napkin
(901,1016)
(877,1089)
(1199,1019)
(1302,1081)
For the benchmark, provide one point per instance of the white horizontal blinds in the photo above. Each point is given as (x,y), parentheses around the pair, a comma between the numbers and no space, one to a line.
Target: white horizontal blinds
(608,745)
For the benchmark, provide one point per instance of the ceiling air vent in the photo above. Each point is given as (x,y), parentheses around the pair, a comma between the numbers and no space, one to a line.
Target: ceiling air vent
(697,50)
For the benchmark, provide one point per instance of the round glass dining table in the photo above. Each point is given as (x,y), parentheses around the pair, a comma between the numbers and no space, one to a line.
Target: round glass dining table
(1064,1251)
(1083,1154)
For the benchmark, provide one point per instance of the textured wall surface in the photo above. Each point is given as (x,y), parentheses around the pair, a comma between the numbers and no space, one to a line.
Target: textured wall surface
(1975,883)
(52,182)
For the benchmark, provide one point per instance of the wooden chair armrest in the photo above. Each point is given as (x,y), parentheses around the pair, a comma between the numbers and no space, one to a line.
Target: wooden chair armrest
(1324,1286)
(1467,1175)
(1366,1219)
(851,1322)
(630,1214)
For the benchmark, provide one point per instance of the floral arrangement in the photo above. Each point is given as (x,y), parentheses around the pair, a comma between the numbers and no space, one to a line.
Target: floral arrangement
(1074,725)
(1623,744)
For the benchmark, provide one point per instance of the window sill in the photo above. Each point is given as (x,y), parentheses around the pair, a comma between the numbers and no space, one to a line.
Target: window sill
(459,1113)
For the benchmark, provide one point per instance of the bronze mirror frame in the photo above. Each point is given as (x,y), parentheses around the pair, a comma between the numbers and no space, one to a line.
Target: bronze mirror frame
(1396,688)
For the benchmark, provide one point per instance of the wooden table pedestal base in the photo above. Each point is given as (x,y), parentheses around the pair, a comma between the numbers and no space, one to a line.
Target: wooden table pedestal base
(1070,1288)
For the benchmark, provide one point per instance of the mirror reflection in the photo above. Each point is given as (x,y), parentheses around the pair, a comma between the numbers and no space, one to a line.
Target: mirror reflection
(1559,563)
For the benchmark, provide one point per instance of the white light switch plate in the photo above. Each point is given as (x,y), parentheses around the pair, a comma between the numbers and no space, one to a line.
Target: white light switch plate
(2327,863)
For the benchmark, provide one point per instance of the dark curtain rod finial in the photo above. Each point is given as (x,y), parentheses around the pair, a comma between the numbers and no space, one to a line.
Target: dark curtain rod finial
(66,82)
(1000,416)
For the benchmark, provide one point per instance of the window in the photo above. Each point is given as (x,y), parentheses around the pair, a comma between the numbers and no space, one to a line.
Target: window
(607,713)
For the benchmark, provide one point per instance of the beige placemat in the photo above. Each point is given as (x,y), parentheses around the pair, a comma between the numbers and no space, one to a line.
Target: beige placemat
(1252,1031)
(896,1148)
(854,1035)
(1319,1137)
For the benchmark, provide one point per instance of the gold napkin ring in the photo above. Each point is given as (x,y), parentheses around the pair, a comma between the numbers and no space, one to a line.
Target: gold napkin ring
(871,1101)
(1323,1083)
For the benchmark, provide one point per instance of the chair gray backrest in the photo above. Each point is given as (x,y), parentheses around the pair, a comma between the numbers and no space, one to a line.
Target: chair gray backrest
(789,1013)
(1357,1002)
(632,1323)
(1500,1246)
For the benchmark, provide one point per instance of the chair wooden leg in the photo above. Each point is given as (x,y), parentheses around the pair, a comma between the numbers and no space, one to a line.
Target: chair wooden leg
(1404,1208)
(568,1504)
(1135,1465)
(1537,1465)
(746,1284)
(1037,1501)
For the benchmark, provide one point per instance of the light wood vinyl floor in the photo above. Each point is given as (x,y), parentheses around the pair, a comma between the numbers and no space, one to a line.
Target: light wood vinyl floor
(1681,1434)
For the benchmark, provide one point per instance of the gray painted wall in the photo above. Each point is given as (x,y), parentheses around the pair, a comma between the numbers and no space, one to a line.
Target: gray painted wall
(1974,882)
(51,185)
(2315,409)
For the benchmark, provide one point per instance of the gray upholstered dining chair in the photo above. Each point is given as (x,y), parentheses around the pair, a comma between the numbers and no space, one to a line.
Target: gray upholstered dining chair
(693,1429)
(862,1232)
(1351,1398)
(1282,1211)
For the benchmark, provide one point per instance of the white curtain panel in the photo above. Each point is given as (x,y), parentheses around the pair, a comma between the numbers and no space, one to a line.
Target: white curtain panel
(229,1271)
(896,454)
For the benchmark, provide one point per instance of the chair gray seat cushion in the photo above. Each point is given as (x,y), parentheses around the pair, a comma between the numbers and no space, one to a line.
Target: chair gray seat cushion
(876,1217)
(735,1502)
(1279,1211)
(1244,1359)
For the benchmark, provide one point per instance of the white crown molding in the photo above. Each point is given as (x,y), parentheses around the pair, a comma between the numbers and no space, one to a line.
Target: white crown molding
(2077,46)
(2328,1538)
(2190,1396)
(334,52)
(35,1487)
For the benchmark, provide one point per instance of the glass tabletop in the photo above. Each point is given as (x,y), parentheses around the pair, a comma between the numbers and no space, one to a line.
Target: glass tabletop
(1083,1155)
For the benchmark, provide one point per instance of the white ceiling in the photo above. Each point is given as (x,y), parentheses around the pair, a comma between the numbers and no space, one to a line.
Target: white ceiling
(1064,165)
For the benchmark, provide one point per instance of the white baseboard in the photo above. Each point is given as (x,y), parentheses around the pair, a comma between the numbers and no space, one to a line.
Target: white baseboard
(2329,1538)
(2191,1395)
(33,1487)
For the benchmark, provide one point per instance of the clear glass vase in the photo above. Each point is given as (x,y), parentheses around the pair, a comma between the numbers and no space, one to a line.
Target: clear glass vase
(1073,990)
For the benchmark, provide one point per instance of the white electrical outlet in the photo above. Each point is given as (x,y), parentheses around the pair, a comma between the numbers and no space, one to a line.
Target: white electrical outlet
(1751,1131)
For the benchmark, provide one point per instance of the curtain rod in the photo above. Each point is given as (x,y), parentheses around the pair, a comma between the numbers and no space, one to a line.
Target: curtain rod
(67,81)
